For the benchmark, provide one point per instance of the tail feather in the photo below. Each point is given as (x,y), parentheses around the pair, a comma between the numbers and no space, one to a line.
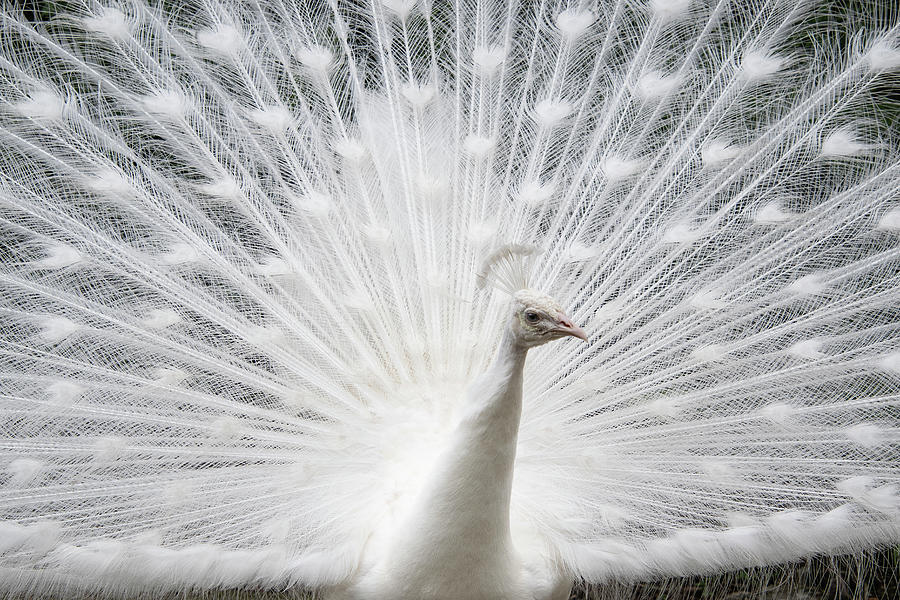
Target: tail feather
(239,285)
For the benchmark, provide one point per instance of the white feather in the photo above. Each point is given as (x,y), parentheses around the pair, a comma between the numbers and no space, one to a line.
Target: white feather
(239,266)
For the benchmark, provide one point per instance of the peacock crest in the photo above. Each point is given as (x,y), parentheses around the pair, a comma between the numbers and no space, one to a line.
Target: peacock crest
(508,268)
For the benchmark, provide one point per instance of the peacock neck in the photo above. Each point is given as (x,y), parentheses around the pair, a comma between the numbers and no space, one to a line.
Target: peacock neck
(472,482)
(484,445)
(459,530)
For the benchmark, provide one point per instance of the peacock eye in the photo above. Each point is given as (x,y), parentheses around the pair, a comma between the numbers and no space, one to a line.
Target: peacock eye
(531,317)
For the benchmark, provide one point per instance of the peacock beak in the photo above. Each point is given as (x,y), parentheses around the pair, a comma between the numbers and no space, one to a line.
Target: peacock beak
(567,327)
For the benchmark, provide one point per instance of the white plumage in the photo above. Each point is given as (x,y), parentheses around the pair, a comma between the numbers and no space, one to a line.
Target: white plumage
(241,247)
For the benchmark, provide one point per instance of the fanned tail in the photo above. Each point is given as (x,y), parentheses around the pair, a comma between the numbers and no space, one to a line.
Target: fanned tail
(240,251)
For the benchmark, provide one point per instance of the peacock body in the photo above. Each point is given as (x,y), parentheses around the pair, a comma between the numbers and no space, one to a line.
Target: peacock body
(246,341)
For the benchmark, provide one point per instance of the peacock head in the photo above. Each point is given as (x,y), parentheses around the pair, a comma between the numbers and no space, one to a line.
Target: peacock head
(539,319)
